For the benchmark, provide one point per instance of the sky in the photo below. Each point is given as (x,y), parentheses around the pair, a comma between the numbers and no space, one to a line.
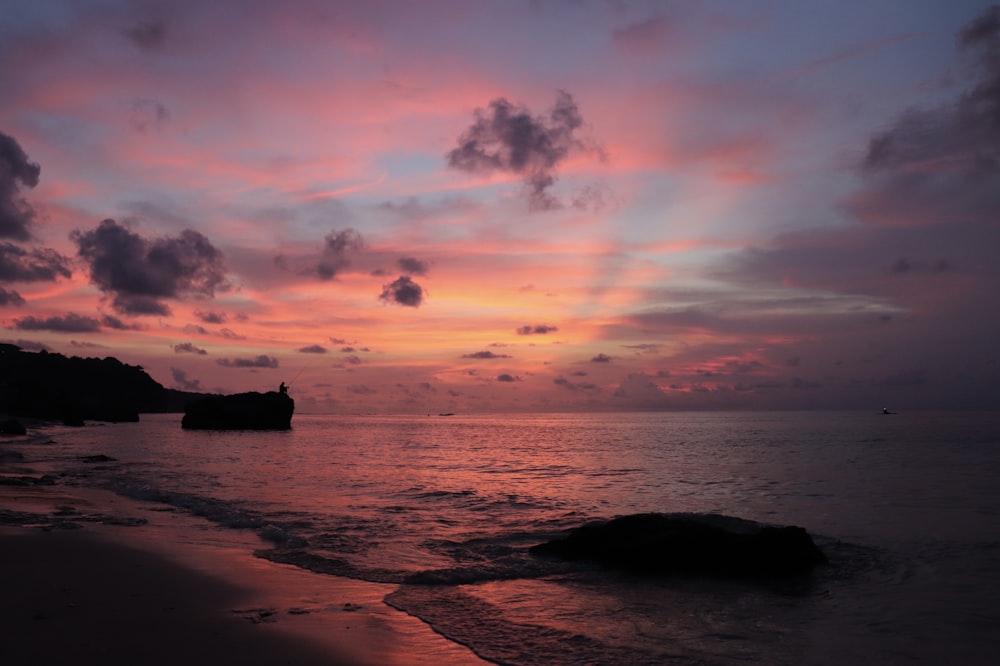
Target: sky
(510,205)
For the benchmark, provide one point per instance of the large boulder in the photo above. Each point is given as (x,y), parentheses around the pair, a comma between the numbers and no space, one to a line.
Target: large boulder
(689,544)
(241,411)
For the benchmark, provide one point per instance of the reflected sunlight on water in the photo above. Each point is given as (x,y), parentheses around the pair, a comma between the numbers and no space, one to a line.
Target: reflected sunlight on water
(907,505)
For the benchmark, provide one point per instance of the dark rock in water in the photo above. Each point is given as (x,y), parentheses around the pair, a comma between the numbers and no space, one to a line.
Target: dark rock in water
(12,427)
(99,458)
(241,411)
(689,544)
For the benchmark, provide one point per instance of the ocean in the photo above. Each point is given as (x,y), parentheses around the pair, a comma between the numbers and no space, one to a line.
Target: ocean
(444,508)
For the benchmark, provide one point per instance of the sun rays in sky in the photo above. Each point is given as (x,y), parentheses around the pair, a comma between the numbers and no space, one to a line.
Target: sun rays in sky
(450,206)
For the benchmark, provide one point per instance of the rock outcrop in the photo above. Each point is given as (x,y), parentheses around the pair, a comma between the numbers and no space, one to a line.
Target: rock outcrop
(708,545)
(240,411)
(50,386)
(12,427)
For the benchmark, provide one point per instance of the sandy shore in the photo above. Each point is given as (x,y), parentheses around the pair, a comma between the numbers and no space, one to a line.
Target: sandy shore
(88,577)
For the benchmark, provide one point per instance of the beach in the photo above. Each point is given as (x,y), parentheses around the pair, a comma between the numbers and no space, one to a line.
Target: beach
(89,577)
(407,540)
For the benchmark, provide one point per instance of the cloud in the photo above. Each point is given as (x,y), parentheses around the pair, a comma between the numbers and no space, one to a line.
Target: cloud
(141,273)
(485,355)
(117,324)
(601,358)
(39,264)
(507,138)
(188,348)
(182,382)
(71,323)
(537,329)
(313,349)
(82,344)
(412,266)
(905,265)
(507,378)
(403,291)
(574,386)
(10,297)
(147,113)
(336,247)
(28,345)
(262,361)
(942,164)
(16,215)
(147,35)
(210,317)
(644,38)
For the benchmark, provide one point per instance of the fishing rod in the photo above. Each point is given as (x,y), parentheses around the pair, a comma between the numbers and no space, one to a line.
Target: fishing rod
(298,373)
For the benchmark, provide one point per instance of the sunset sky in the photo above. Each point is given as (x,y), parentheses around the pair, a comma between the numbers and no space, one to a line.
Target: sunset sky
(470,206)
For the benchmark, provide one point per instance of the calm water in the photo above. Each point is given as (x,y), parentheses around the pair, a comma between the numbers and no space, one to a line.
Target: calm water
(907,507)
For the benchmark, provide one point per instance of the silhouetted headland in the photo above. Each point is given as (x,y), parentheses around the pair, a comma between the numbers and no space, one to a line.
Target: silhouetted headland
(51,386)
(707,545)
(12,427)
(241,411)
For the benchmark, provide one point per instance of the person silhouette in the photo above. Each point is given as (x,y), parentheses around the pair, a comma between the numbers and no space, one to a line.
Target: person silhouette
(283,390)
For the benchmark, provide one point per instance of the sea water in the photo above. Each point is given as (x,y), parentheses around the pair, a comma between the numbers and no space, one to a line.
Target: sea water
(906,506)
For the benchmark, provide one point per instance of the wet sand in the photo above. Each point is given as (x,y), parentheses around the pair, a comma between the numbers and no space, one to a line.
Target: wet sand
(87,577)
(73,597)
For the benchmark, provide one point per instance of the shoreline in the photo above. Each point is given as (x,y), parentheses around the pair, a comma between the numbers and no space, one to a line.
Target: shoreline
(93,577)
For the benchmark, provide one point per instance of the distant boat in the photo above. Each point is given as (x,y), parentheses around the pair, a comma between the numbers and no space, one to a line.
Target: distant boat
(241,411)
(886,412)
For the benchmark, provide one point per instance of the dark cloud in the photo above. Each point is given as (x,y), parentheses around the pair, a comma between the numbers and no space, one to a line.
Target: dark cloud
(148,113)
(39,264)
(412,266)
(508,138)
(117,324)
(28,345)
(141,273)
(81,344)
(262,361)
(645,348)
(182,382)
(71,323)
(195,329)
(337,247)
(188,348)
(230,334)
(211,317)
(943,164)
(16,215)
(313,349)
(403,291)
(507,378)
(10,297)
(644,38)
(537,329)
(485,355)
(743,367)
(574,386)
(601,358)
(147,35)
(904,265)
